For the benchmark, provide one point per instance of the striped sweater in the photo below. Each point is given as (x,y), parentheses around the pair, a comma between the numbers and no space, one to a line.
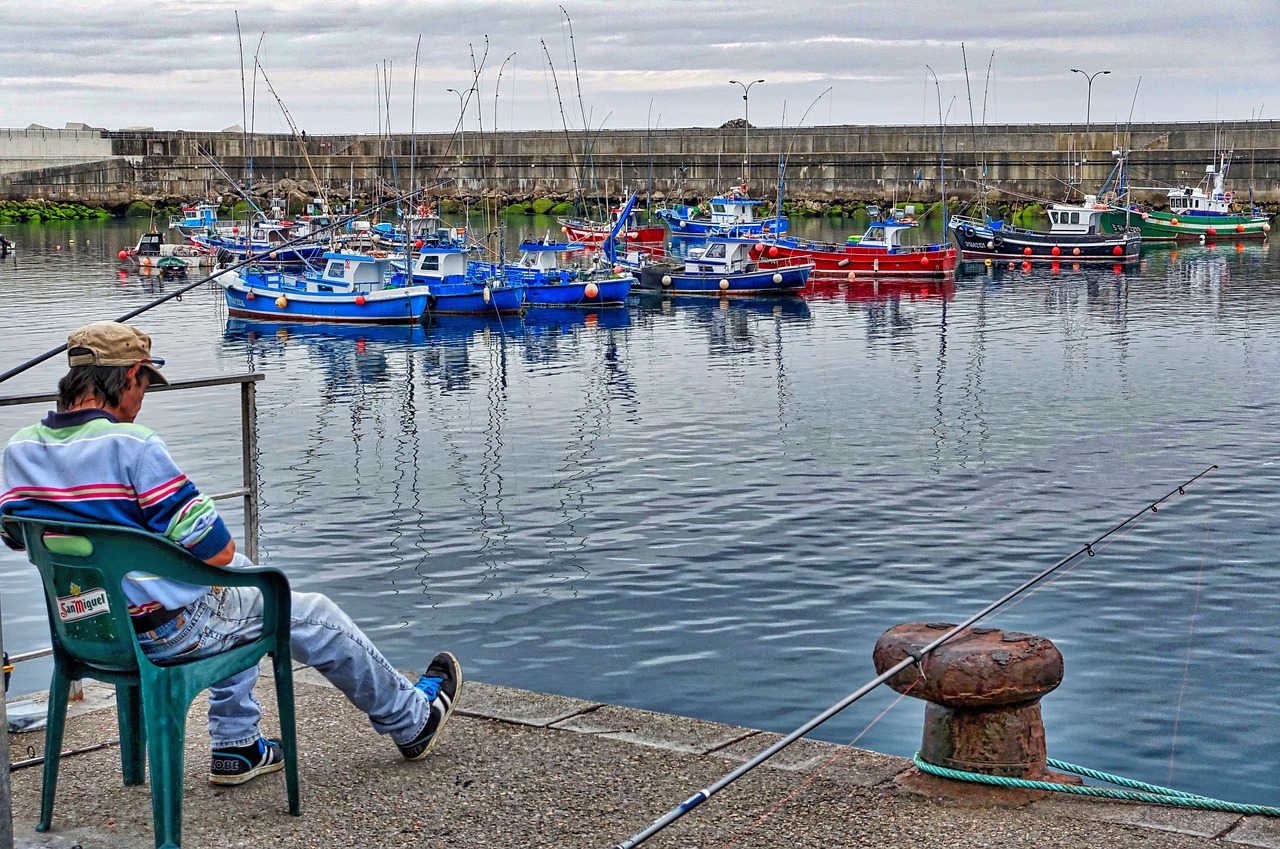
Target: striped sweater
(87,466)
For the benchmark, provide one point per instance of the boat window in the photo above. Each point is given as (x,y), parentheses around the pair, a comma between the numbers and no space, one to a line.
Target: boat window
(334,269)
(1075,218)
(875,234)
(717,207)
(716,250)
(430,262)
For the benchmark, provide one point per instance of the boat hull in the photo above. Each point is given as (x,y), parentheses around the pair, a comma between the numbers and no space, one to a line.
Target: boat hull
(1159,226)
(977,242)
(842,260)
(785,280)
(469,299)
(608,293)
(391,306)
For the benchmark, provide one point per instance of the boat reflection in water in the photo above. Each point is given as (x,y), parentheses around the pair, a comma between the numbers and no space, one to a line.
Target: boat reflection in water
(346,353)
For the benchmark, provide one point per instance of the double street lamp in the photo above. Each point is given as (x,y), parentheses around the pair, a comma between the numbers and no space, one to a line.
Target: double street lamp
(746,119)
(462,130)
(1087,103)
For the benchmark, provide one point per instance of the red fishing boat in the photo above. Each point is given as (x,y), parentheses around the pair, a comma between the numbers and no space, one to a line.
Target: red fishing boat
(878,252)
(593,233)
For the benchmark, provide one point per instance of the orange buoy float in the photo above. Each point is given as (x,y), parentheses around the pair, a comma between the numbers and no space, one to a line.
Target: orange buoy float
(359,300)
(282,302)
(1075,252)
(1239,228)
(724,285)
(1174,222)
(1027,250)
(591,291)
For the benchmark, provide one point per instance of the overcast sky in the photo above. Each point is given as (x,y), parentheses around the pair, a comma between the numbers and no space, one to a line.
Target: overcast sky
(177,65)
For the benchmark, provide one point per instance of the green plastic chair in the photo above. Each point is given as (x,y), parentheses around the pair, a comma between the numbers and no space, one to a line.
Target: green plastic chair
(81,566)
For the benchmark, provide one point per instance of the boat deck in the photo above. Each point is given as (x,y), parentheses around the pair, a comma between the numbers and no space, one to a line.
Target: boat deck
(522,769)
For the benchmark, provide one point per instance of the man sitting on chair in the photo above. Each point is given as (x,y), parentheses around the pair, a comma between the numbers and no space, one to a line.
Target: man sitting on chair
(89,462)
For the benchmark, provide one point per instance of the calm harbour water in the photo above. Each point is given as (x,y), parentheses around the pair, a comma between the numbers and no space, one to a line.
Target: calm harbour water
(714,509)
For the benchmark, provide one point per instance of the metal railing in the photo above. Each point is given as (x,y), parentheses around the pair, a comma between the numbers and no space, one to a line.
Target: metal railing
(248,491)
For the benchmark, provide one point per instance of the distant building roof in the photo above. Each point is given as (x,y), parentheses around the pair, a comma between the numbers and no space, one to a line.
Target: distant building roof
(39,127)
(137,129)
(234,128)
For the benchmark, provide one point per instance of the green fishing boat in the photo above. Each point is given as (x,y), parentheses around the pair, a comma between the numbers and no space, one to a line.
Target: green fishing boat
(1205,212)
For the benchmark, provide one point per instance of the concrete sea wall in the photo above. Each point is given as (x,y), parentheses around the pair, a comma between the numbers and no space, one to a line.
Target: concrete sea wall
(824,164)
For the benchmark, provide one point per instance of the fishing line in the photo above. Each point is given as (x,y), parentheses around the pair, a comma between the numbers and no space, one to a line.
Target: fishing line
(178,293)
(1088,549)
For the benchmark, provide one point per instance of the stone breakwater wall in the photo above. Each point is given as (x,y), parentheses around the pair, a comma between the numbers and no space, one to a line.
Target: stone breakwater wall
(825,165)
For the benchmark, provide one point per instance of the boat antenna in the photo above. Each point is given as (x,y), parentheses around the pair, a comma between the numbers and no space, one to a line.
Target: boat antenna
(564,121)
(942,151)
(306,156)
(582,110)
(1088,549)
(413,124)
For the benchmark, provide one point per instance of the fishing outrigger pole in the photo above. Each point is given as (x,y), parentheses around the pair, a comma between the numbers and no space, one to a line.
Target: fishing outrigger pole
(703,795)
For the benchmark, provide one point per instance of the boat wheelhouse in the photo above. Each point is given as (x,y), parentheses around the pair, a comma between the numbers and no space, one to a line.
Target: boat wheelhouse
(732,214)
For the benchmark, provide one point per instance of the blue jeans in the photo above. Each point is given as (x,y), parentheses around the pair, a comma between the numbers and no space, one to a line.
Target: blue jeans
(321,636)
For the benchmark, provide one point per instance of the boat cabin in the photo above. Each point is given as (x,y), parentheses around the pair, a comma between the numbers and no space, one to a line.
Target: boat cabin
(348,272)
(884,234)
(440,265)
(1076,220)
(149,244)
(546,256)
(722,256)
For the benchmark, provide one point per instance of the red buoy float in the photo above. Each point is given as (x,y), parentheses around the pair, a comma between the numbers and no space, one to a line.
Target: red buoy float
(1117,250)
(1027,250)
(1055,250)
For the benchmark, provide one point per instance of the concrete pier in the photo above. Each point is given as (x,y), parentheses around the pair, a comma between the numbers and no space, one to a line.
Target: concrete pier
(824,164)
(521,769)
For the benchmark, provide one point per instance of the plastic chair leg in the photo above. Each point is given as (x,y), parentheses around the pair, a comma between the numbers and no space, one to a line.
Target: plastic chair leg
(56,722)
(133,739)
(282,666)
(165,717)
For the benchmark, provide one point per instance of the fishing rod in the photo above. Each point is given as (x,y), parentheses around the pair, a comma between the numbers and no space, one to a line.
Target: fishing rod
(915,658)
(177,293)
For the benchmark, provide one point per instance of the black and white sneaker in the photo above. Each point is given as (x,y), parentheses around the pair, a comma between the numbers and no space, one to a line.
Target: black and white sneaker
(441,683)
(237,765)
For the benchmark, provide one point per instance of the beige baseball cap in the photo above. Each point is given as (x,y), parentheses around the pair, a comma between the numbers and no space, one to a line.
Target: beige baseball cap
(110,343)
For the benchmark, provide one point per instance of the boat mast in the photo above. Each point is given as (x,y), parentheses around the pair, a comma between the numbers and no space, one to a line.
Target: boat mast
(942,152)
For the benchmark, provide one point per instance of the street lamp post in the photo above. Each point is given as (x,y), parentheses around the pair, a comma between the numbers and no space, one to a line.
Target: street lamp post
(1087,104)
(746,119)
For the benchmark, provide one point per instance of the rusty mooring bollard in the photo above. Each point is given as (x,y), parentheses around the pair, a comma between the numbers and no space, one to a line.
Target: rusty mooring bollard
(983,689)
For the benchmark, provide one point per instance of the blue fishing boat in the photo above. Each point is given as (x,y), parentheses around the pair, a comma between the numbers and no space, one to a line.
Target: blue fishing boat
(558,274)
(346,287)
(457,287)
(197,218)
(731,214)
(263,242)
(726,267)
